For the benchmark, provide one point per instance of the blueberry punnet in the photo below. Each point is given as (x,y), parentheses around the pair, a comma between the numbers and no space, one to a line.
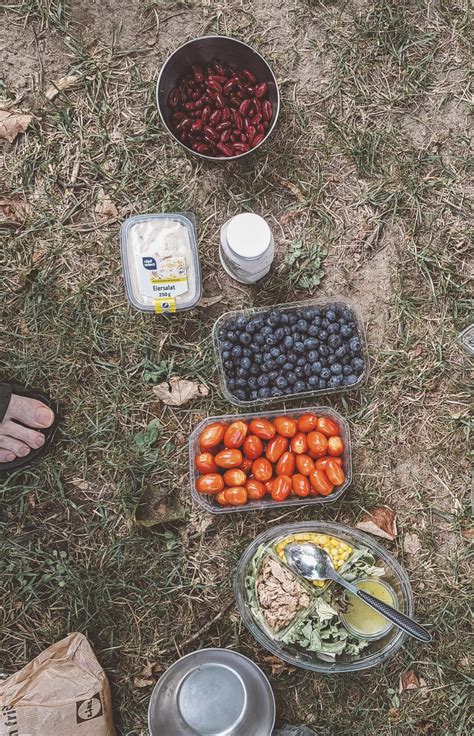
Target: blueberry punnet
(283,352)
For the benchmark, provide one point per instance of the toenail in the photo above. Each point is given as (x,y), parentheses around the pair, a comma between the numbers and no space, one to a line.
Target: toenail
(9,456)
(43,416)
(39,440)
(23,451)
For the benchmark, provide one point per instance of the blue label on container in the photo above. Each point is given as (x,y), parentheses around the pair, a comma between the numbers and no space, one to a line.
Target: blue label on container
(149,263)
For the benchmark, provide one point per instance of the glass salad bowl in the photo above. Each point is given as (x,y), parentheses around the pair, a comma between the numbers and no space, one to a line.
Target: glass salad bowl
(315,637)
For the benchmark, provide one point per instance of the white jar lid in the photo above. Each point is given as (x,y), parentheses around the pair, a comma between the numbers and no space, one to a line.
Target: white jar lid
(248,235)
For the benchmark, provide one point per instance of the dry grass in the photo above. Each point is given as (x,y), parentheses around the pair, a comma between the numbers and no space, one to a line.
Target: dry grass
(370,165)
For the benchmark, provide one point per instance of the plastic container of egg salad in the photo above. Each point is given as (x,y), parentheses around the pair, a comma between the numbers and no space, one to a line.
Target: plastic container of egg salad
(160,262)
(339,540)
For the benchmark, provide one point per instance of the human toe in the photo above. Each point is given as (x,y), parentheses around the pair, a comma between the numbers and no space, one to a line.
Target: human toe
(6,456)
(13,445)
(29,436)
(31,412)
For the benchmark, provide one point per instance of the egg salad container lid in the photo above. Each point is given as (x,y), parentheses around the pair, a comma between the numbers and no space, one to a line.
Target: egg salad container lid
(166,303)
(466,340)
(255,311)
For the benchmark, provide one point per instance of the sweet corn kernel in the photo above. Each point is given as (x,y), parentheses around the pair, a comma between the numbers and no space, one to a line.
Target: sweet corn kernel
(337,550)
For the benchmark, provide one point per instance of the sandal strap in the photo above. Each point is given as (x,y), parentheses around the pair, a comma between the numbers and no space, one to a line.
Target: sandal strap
(5,396)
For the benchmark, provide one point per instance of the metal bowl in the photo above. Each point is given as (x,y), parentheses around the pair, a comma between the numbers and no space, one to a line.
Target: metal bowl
(202,51)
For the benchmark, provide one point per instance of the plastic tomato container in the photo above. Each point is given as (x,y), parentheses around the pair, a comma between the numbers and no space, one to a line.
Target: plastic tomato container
(377,652)
(296,306)
(208,502)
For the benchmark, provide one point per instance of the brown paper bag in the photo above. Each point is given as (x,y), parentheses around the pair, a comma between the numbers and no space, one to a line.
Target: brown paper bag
(63,692)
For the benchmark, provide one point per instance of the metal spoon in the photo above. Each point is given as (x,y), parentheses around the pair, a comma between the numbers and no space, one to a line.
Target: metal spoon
(314,563)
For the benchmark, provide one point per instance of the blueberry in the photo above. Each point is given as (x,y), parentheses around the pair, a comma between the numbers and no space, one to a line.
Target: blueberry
(291,378)
(254,348)
(271,365)
(259,340)
(309,314)
(358,365)
(227,345)
(287,330)
(292,318)
(347,370)
(229,364)
(331,315)
(299,372)
(323,335)
(325,374)
(263,393)
(241,382)
(311,343)
(346,360)
(313,381)
(279,334)
(334,341)
(231,384)
(263,380)
(333,328)
(355,345)
(302,325)
(258,358)
(274,317)
(276,392)
(313,331)
(299,386)
(295,331)
(313,355)
(323,351)
(251,327)
(292,358)
(281,382)
(281,360)
(241,323)
(242,373)
(350,380)
(299,347)
(301,361)
(270,340)
(287,366)
(324,323)
(247,353)
(307,370)
(254,395)
(288,342)
(345,331)
(316,367)
(347,314)
(232,336)
(341,351)
(335,381)
(336,369)
(284,319)
(245,338)
(332,359)
(322,383)
(252,382)
(225,354)
(240,394)
(254,370)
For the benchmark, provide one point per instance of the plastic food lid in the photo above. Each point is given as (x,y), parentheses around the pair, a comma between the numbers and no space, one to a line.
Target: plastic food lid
(381,632)
(248,235)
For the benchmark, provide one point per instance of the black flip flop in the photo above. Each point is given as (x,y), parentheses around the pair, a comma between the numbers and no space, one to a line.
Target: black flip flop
(6,391)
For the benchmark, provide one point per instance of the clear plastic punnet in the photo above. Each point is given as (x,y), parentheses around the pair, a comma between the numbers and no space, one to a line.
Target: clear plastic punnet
(376,652)
(208,502)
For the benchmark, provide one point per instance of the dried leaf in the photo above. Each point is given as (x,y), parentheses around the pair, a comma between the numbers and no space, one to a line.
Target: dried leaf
(294,189)
(178,391)
(210,300)
(412,544)
(468,534)
(277,665)
(105,208)
(146,678)
(12,123)
(410,681)
(14,209)
(380,521)
(60,85)
(83,485)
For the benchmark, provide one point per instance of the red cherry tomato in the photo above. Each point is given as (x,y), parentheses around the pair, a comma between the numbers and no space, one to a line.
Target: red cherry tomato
(304,464)
(334,472)
(229,458)
(322,462)
(262,428)
(318,443)
(268,486)
(299,444)
(307,422)
(220,498)
(275,448)
(327,426)
(235,434)
(236,496)
(210,483)
(205,463)
(246,465)
(235,477)
(335,446)
(281,488)
(262,469)
(301,485)
(253,446)
(286,426)
(286,464)
(255,489)
(320,482)
(212,435)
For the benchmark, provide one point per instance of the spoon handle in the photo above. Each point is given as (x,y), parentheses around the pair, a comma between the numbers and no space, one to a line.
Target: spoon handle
(397,617)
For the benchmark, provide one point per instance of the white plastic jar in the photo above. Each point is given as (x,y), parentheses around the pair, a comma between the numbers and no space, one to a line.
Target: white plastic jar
(247,247)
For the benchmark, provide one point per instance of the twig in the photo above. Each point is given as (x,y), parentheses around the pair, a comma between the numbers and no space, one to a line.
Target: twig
(198,633)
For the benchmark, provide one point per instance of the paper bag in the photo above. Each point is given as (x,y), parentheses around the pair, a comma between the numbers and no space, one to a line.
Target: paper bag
(63,692)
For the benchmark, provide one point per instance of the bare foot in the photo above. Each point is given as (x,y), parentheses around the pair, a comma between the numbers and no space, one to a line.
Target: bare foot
(17,440)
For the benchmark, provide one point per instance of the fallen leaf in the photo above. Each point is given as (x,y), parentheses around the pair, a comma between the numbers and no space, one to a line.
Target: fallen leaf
(380,521)
(14,209)
(410,681)
(105,208)
(178,391)
(62,84)
(83,485)
(12,123)
(412,544)
(294,189)
(147,676)
(468,534)
(290,215)
(210,300)
(277,665)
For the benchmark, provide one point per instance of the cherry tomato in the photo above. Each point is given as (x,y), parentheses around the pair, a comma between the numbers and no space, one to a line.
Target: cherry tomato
(235,434)
(334,472)
(263,428)
(301,485)
(255,489)
(335,446)
(304,464)
(220,498)
(236,496)
(299,443)
(307,422)
(210,483)
(327,426)
(246,465)
(205,463)
(275,448)
(212,435)
(318,443)
(262,469)
(322,462)
(286,464)
(320,482)
(286,426)
(235,477)
(281,488)
(229,458)
(253,446)
(268,486)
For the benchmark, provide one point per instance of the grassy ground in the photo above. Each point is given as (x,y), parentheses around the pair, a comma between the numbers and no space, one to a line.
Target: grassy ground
(369,172)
